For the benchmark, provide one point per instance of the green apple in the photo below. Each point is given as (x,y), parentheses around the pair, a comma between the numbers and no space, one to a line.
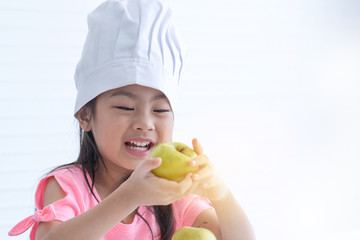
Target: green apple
(175,158)
(191,233)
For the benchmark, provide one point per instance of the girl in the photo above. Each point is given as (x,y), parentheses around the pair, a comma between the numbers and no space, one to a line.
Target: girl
(127,80)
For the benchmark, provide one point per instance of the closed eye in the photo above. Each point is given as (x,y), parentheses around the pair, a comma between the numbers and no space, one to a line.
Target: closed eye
(125,108)
(161,110)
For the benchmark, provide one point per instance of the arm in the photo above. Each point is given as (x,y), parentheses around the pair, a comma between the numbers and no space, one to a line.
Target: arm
(228,221)
(92,224)
(208,219)
(141,188)
(234,223)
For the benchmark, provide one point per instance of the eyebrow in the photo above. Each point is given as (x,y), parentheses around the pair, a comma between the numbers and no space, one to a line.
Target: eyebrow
(160,96)
(123,93)
(131,95)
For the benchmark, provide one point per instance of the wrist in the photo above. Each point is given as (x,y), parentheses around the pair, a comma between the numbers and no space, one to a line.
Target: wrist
(127,193)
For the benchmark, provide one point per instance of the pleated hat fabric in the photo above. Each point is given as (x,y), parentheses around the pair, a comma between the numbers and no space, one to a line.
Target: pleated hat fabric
(130,42)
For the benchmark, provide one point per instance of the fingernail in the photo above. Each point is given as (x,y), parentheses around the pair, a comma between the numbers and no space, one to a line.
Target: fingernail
(196,176)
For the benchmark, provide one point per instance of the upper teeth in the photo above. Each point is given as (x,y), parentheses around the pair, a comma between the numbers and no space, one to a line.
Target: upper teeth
(140,144)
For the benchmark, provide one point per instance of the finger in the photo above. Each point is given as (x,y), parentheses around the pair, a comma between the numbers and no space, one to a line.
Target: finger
(211,182)
(199,160)
(197,147)
(202,174)
(188,176)
(185,184)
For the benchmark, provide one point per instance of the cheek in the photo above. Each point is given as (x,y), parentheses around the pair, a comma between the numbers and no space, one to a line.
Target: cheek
(166,130)
(108,134)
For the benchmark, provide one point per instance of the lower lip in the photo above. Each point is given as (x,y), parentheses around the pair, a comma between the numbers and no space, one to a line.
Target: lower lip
(137,152)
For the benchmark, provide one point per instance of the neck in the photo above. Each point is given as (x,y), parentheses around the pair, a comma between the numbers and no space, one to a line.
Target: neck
(109,178)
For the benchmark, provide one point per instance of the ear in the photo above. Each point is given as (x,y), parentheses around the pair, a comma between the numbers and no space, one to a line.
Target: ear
(83,116)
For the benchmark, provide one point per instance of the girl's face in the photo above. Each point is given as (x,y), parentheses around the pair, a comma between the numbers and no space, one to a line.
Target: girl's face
(129,121)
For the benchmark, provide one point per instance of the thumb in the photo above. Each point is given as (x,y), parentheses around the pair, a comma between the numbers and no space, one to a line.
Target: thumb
(152,163)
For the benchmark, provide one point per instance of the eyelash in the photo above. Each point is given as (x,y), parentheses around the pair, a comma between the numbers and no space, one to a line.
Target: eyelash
(161,110)
(131,109)
(125,108)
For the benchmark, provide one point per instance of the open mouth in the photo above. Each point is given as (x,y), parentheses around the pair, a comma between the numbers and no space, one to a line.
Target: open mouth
(139,146)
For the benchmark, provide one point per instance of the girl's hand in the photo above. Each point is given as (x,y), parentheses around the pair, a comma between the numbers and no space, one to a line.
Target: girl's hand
(207,181)
(148,189)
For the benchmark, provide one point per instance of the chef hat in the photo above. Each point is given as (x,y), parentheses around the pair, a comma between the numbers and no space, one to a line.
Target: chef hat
(129,42)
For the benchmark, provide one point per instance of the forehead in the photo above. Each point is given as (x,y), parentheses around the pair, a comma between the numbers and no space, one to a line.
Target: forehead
(136,92)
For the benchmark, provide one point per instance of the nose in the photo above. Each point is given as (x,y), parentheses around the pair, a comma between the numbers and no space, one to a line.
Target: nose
(143,122)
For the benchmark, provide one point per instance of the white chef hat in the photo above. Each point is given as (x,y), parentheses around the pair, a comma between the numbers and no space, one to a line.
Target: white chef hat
(129,42)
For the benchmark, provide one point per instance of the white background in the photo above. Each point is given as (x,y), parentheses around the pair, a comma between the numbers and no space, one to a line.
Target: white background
(271,90)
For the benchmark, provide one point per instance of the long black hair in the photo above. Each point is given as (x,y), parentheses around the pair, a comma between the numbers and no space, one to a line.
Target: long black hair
(89,160)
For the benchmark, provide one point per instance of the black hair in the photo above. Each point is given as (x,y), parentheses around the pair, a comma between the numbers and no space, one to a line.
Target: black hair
(89,159)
